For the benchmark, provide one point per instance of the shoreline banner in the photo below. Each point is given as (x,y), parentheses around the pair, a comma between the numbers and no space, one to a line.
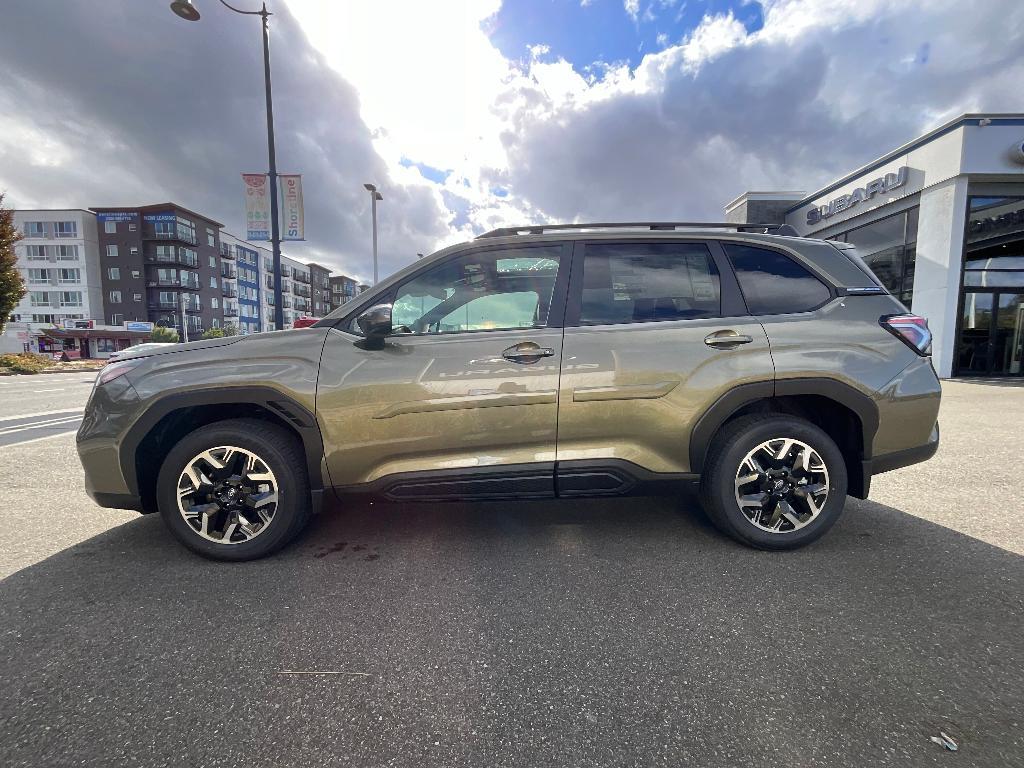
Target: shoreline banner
(292,215)
(257,207)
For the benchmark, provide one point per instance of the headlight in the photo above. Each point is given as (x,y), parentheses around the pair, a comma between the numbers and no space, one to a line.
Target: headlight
(112,371)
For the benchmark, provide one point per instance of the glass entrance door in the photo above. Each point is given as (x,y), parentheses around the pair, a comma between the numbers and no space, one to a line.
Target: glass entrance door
(991,334)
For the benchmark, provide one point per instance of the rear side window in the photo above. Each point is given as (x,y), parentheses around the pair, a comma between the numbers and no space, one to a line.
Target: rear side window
(645,282)
(774,284)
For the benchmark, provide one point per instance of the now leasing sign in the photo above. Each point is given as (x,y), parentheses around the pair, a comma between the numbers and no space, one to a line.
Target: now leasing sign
(842,203)
(257,207)
(291,207)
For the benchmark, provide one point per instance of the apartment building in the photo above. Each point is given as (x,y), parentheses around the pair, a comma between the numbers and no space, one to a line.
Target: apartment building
(162,263)
(296,290)
(320,279)
(343,289)
(59,262)
(240,283)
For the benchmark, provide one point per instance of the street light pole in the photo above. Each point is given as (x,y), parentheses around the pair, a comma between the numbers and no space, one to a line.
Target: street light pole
(187,11)
(374,197)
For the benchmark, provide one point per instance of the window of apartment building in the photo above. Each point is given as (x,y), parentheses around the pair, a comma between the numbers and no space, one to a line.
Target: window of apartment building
(210,238)
(111,249)
(38,298)
(215,322)
(117,319)
(189,256)
(213,281)
(115,297)
(71,298)
(167,298)
(163,229)
(43,318)
(134,250)
(39,275)
(190,279)
(65,229)
(186,230)
(215,303)
(114,273)
(67,253)
(35,229)
(136,274)
(132,226)
(35,252)
(167,276)
(69,275)
(110,227)
(136,297)
(213,260)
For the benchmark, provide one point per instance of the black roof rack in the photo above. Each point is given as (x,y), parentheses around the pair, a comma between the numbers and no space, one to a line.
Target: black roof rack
(654,226)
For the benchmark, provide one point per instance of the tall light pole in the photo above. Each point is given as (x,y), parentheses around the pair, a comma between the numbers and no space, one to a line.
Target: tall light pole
(187,11)
(374,197)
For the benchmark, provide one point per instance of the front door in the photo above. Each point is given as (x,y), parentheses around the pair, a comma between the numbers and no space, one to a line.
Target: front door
(991,339)
(655,333)
(462,401)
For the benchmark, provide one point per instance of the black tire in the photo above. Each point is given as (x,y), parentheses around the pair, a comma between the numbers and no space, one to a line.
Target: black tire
(278,449)
(727,452)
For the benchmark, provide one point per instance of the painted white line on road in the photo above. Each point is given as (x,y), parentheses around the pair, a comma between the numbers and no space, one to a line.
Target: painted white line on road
(38,424)
(48,390)
(39,413)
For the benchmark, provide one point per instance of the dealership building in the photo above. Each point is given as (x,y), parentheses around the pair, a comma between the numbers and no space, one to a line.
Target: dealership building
(940,220)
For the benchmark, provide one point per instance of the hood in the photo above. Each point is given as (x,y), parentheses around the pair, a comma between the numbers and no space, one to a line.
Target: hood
(172,349)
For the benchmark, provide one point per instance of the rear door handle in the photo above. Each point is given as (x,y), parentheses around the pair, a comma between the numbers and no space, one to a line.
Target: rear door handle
(527,352)
(727,339)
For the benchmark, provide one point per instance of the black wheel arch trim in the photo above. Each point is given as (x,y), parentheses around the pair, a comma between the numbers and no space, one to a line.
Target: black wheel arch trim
(728,404)
(284,407)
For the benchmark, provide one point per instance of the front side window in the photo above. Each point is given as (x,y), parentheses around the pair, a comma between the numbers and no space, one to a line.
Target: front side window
(774,284)
(646,282)
(482,291)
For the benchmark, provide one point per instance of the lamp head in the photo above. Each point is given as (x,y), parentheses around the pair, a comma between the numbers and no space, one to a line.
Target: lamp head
(185,10)
(369,187)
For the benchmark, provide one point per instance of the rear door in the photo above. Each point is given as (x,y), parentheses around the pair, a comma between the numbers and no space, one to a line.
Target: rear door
(656,331)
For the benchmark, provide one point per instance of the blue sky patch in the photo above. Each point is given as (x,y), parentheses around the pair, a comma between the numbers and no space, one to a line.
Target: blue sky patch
(602,30)
(435,175)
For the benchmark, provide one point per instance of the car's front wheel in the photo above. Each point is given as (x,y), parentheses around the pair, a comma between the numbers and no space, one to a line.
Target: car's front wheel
(774,481)
(235,490)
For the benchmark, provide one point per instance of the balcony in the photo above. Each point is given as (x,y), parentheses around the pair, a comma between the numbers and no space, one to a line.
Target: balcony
(228,271)
(158,305)
(227,251)
(229,293)
(286,302)
(177,256)
(179,234)
(230,312)
(301,290)
(301,277)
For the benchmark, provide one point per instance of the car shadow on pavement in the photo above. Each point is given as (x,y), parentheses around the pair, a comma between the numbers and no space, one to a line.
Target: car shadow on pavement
(586,632)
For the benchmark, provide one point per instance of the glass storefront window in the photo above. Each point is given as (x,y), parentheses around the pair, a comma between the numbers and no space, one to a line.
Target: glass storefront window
(889,247)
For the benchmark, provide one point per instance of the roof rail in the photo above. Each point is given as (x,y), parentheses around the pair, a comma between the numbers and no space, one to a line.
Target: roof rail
(654,226)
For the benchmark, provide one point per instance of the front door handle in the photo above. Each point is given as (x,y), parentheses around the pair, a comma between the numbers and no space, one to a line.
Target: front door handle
(726,339)
(527,352)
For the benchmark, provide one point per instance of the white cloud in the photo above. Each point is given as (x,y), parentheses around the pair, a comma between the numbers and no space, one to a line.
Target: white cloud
(632,8)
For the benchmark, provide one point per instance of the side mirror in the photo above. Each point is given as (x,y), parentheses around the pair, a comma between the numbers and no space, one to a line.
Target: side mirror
(375,323)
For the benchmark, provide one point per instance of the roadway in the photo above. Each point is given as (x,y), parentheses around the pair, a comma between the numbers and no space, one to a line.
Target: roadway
(575,633)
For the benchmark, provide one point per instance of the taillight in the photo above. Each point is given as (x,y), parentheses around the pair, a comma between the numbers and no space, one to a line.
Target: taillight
(911,330)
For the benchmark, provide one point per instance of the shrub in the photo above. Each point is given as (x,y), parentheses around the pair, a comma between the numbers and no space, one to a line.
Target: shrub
(24,362)
(213,333)
(164,335)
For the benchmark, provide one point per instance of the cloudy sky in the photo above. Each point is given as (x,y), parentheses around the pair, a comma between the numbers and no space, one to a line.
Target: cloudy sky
(477,113)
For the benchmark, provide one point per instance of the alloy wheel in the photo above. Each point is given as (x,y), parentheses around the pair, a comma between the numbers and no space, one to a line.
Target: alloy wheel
(227,495)
(782,485)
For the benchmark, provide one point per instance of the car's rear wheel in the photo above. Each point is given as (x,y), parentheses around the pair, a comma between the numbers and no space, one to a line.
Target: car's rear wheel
(774,481)
(235,490)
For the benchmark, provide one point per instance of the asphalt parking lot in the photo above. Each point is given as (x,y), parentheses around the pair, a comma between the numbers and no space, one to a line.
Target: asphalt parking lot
(597,633)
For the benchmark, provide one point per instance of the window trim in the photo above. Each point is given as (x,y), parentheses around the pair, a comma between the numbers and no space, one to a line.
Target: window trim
(732,304)
(556,310)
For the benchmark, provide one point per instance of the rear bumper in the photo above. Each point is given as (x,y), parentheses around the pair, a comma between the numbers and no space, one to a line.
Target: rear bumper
(903,458)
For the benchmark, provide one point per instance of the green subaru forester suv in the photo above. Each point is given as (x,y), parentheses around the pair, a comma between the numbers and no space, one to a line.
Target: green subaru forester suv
(773,372)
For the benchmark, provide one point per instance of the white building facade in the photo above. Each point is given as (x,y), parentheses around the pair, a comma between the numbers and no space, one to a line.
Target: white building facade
(940,220)
(59,262)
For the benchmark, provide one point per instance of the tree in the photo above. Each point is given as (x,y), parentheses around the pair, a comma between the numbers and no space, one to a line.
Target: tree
(12,287)
(164,335)
(213,333)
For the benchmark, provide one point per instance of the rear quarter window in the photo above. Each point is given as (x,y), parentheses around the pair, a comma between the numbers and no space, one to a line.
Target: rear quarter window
(773,283)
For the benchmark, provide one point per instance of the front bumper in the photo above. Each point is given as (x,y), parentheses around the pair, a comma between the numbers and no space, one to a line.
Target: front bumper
(108,414)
